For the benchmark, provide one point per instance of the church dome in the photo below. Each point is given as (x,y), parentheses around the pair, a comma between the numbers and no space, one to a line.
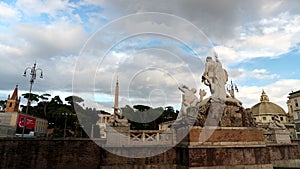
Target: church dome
(265,107)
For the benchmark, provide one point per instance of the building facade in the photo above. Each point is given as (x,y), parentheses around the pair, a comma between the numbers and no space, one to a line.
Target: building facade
(13,102)
(12,121)
(264,111)
(103,120)
(106,118)
(293,104)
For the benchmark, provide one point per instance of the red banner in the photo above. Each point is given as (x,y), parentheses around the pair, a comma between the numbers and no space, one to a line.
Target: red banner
(30,123)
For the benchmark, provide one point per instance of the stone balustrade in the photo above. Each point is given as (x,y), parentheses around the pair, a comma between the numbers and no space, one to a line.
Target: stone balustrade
(150,137)
(126,137)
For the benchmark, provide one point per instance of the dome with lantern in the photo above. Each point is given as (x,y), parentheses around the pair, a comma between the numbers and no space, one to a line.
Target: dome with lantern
(265,110)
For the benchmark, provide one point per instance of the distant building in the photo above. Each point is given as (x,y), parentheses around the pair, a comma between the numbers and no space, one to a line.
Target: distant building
(166,125)
(12,121)
(102,121)
(13,102)
(265,110)
(293,104)
(8,124)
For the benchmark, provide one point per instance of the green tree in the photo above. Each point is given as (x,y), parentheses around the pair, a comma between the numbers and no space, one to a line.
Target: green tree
(54,109)
(45,102)
(141,108)
(63,116)
(169,114)
(3,104)
(158,115)
(144,118)
(57,100)
(73,100)
(33,98)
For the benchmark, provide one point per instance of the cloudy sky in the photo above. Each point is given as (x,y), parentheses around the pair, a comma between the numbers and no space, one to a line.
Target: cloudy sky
(83,46)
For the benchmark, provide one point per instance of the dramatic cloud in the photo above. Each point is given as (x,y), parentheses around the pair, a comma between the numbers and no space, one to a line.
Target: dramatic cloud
(7,13)
(150,53)
(36,7)
(46,41)
(277,92)
(262,74)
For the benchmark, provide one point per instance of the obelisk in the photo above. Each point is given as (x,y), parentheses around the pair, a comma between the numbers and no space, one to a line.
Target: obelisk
(116,105)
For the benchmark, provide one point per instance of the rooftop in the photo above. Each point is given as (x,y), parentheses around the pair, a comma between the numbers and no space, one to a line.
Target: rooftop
(265,107)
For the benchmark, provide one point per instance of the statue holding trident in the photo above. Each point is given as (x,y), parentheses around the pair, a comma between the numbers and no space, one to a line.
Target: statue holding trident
(215,77)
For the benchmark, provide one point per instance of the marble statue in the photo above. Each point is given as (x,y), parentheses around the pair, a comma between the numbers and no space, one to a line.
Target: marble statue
(276,123)
(202,93)
(119,119)
(189,102)
(215,77)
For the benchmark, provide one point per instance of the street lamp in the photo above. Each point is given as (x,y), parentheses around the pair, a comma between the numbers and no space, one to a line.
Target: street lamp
(33,71)
(66,118)
(51,124)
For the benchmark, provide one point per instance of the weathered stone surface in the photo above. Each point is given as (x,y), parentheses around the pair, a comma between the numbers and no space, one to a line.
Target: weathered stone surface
(167,158)
(117,135)
(259,166)
(7,131)
(281,136)
(140,167)
(226,134)
(71,154)
(283,152)
(50,154)
(200,157)
(285,155)
(232,114)
(231,117)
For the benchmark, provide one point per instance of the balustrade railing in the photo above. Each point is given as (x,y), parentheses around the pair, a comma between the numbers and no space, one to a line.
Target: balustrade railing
(150,137)
(120,136)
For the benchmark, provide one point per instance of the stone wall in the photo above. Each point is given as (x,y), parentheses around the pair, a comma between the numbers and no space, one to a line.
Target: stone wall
(74,154)
(77,154)
(165,160)
(226,157)
(50,154)
(7,131)
(286,156)
(226,134)
(237,135)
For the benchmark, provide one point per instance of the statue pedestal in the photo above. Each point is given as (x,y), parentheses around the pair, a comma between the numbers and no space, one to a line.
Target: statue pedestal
(117,136)
(223,147)
(281,136)
(222,136)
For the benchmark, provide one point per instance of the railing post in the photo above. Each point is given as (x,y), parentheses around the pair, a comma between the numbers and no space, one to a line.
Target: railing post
(143,136)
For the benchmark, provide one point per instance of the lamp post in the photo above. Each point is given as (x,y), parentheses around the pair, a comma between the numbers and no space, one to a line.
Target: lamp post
(66,118)
(33,71)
